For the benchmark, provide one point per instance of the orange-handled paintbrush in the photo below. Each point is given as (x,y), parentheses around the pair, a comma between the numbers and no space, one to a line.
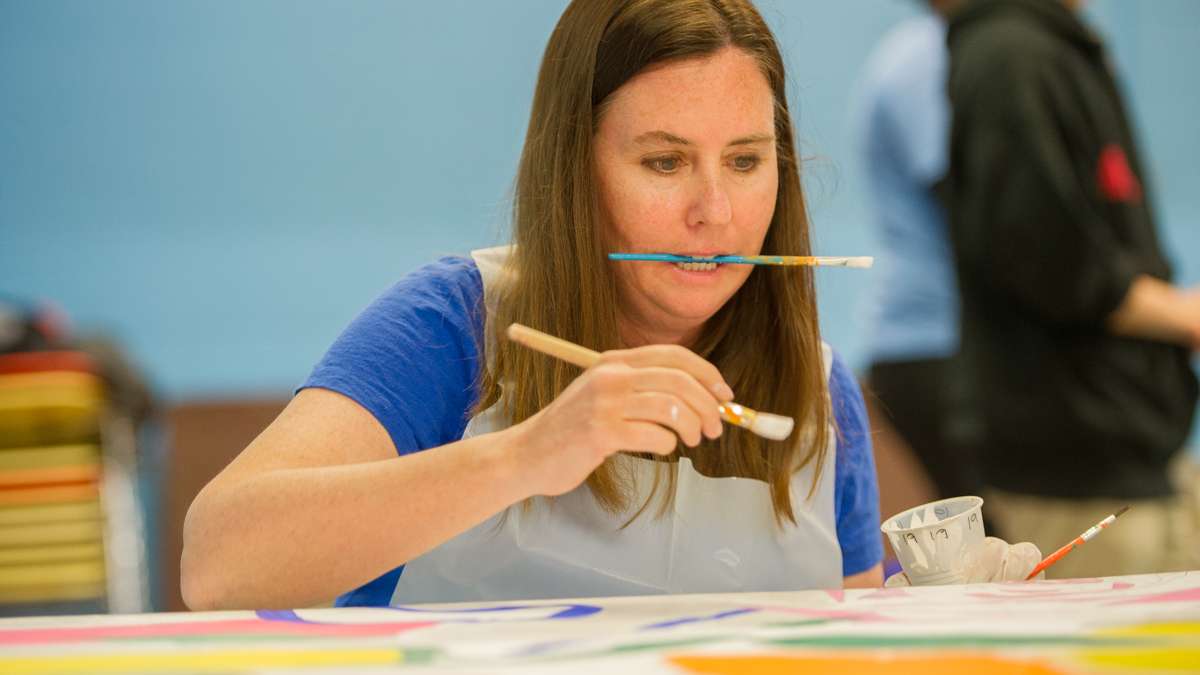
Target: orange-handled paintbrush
(767,425)
(1077,541)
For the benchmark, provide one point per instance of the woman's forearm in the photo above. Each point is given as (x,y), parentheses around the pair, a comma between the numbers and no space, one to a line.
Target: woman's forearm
(294,537)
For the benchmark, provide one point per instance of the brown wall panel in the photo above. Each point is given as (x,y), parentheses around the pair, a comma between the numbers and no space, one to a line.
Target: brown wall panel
(204,436)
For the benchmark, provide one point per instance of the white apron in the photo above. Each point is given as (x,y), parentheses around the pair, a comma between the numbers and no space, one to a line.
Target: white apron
(719,535)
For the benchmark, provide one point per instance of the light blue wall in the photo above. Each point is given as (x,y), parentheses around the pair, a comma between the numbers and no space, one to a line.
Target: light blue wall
(223,185)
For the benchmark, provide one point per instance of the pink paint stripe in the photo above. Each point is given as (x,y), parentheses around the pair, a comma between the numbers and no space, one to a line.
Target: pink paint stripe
(204,628)
(1088,596)
(849,615)
(1185,595)
(886,594)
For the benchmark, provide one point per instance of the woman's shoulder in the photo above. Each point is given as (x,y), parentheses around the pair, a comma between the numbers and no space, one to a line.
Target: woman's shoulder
(434,309)
(837,371)
(845,394)
(411,357)
(448,278)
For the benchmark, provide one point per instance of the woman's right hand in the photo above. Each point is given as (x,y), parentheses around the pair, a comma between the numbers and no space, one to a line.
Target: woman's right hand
(643,400)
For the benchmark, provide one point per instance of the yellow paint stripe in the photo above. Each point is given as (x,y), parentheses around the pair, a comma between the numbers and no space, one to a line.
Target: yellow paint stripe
(1165,629)
(53,455)
(889,662)
(25,555)
(224,661)
(1181,659)
(64,573)
(49,474)
(43,534)
(50,513)
(52,378)
(51,593)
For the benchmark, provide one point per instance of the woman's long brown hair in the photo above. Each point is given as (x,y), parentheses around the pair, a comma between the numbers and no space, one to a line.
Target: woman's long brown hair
(765,340)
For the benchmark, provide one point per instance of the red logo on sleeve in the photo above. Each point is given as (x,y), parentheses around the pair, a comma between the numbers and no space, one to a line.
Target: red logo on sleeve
(1116,179)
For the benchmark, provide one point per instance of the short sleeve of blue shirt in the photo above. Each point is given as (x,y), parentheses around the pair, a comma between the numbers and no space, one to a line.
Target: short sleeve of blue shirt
(411,357)
(856,490)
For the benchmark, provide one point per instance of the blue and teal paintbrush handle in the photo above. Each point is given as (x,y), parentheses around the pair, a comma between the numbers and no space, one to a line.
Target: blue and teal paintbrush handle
(784,260)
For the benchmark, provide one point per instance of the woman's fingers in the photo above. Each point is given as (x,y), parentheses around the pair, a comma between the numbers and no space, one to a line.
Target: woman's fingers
(680,358)
(666,410)
(637,436)
(1022,557)
(687,389)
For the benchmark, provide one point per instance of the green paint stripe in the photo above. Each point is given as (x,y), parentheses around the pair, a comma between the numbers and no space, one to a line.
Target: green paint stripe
(629,648)
(648,646)
(412,655)
(797,624)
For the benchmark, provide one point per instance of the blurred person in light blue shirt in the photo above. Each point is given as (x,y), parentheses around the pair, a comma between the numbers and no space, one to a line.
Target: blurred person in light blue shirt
(903,121)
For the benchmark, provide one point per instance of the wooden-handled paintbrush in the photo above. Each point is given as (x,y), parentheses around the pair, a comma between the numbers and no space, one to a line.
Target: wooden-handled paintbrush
(767,425)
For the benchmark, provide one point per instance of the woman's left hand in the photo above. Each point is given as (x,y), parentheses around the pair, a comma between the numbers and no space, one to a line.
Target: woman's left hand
(998,561)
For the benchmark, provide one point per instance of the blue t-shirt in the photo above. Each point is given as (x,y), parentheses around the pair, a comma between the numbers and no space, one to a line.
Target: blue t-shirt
(411,358)
(903,129)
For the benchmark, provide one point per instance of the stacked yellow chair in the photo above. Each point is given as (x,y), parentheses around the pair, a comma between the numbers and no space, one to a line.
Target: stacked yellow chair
(51,515)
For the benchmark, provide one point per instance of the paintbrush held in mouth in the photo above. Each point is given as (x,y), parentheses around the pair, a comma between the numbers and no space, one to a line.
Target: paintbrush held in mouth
(777,260)
(767,425)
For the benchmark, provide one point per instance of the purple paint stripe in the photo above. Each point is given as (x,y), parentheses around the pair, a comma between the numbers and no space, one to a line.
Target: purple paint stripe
(279,615)
(699,619)
(543,648)
(573,611)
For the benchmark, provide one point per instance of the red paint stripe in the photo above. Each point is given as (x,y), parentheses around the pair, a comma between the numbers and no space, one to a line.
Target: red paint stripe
(82,482)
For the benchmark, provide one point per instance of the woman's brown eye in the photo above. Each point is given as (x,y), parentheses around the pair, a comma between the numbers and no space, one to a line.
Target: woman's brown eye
(745,162)
(664,164)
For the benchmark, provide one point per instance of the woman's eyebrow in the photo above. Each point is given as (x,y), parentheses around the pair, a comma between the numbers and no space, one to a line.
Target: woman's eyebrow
(662,136)
(667,137)
(753,138)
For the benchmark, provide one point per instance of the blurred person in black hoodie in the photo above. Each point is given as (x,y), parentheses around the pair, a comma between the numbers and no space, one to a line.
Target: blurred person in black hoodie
(1075,343)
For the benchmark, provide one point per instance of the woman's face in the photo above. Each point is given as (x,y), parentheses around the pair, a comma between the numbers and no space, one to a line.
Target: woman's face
(685,161)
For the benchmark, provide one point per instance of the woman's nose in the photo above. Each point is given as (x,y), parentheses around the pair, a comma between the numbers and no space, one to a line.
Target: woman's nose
(710,202)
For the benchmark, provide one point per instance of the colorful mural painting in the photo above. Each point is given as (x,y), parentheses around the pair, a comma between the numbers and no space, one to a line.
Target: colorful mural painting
(1147,623)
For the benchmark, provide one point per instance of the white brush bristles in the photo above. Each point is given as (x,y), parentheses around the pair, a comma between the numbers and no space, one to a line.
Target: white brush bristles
(774,427)
(863,261)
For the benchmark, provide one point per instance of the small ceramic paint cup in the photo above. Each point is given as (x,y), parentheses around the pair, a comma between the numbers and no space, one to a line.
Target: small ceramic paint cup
(937,542)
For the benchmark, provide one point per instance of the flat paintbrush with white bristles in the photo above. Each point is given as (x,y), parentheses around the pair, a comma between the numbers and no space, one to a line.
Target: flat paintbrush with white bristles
(767,425)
